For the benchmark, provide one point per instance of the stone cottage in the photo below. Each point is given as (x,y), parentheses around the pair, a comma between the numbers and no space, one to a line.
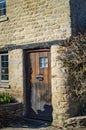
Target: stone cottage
(31,32)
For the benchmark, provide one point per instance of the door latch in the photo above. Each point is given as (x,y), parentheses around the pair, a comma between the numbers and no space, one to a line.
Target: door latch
(40,77)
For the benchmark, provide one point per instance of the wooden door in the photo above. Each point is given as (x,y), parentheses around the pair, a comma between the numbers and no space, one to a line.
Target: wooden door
(39,82)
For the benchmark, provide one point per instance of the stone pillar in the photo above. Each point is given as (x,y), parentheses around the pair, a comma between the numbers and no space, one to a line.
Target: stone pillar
(16,73)
(59,86)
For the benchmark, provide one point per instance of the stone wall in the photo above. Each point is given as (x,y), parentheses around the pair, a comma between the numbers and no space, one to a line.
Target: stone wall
(59,86)
(16,73)
(68,69)
(63,102)
(35,21)
(15,84)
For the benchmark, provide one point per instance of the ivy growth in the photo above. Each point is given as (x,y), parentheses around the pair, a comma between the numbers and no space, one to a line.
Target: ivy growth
(75,60)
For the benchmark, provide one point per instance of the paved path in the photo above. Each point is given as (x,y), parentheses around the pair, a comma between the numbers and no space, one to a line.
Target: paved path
(25,124)
(49,128)
(37,129)
(28,124)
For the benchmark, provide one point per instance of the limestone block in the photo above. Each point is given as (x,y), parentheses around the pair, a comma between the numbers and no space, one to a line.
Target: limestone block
(16,73)
(60,98)
(39,18)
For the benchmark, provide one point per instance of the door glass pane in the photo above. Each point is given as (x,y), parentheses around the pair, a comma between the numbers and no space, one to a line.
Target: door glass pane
(43,62)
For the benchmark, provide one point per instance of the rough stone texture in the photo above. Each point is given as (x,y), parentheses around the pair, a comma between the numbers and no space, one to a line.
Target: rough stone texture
(59,86)
(9,112)
(35,21)
(75,122)
(16,73)
(67,100)
(32,21)
(15,85)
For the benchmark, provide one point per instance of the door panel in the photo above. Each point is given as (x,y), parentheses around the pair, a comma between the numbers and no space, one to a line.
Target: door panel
(40,85)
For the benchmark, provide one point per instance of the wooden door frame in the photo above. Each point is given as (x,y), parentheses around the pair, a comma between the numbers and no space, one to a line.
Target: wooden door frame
(37,50)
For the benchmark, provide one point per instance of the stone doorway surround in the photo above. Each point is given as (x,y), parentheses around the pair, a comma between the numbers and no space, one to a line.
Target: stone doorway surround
(62,109)
(59,89)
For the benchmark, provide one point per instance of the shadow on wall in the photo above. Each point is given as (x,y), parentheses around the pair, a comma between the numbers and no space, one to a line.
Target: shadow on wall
(78,16)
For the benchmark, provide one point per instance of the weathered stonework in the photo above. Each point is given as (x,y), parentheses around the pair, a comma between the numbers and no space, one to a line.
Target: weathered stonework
(63,101)
(27,24)
(68,84)
(59,87)
(35,21)
(16,73)
(15,85)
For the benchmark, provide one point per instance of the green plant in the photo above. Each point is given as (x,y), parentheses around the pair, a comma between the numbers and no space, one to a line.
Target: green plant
(6,98)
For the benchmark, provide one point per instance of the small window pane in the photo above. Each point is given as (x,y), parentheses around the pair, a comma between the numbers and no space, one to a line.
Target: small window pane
(43,62)
(3,12)
(2,1)
(4,4)
(4,58)
(4,64)
(2,7)
(4,77)
(4,67)
(46,60)
(4,70)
